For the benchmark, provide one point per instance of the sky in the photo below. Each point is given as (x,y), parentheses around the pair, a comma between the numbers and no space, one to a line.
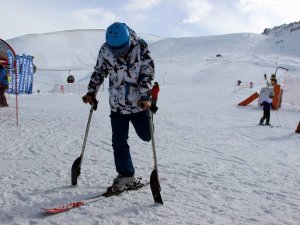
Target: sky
(166,18)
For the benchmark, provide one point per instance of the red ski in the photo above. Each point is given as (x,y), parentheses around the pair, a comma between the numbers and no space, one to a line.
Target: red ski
(106,194)
(72,205)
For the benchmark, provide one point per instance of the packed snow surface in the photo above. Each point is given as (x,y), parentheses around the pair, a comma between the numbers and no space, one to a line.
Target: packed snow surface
(220,167)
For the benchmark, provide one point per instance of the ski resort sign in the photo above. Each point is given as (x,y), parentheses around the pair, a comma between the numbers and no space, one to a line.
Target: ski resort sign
(23,80)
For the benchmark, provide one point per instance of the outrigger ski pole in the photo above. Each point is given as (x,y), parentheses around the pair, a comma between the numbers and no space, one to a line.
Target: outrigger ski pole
(75,171)
(154,179)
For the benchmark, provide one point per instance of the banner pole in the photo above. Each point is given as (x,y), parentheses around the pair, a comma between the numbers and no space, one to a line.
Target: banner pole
(16,90)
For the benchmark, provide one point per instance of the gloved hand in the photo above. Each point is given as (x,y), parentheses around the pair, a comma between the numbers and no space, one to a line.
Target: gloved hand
(144,104)
(91,99)
(87,98)
(153,108)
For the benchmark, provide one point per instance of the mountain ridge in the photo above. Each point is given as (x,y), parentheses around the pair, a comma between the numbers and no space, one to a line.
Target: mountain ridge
(282,29)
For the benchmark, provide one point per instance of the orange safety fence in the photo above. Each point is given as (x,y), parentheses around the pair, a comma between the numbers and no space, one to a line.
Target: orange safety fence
(250,99)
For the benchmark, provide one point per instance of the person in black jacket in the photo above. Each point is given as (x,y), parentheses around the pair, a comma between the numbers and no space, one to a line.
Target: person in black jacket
(267,105)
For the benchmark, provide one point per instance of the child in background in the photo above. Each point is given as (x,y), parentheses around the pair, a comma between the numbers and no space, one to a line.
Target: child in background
(267,104)
(154,97)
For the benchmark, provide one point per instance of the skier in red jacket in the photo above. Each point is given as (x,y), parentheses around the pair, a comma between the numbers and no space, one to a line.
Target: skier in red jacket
(154,97)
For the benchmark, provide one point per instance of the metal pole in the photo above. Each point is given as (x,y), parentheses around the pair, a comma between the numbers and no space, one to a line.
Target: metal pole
(152,138)
(154,179)
(277,118)
(86,133)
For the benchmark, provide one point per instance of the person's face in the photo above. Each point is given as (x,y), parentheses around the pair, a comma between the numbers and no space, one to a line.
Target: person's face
(121,54)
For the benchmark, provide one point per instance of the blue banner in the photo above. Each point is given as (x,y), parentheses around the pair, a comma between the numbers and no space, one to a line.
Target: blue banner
(11,77)
(20,74)
(28,75)
(30,78)
(18,65)
(24,73)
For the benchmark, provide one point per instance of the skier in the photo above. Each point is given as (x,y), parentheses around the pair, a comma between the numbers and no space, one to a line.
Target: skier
(267,104)
(125,58)
(3,86)
(273,79)
(154,97)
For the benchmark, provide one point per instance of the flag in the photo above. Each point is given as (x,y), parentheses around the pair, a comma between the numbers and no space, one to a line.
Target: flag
(18,68)
(22,73)
(11,77)
(26,77)
(30,75)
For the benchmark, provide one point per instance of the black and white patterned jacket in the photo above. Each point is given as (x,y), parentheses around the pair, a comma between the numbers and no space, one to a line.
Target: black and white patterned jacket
(129,77)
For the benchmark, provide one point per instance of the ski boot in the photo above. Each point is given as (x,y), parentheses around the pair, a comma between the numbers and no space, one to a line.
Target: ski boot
(121,183)
(261,122)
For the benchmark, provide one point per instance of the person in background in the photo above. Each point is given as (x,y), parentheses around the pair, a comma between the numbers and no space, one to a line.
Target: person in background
(273,79)
(126,60)
(267,105)
(154,97)
(3,86)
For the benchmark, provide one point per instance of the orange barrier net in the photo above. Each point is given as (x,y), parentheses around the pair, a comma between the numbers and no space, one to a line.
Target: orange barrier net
(250,99)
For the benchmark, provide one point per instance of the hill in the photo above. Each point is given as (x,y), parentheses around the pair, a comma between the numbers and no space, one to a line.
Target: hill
(56,53)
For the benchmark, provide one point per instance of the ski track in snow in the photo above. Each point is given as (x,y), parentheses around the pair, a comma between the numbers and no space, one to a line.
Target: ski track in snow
(210,177)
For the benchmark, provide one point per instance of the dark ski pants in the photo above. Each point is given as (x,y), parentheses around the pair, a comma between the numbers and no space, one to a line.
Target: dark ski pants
(266,117)
(120,129)
(3,88)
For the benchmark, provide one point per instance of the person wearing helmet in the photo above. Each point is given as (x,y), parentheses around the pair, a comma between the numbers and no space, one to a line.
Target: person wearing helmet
(267,105)
(126,60)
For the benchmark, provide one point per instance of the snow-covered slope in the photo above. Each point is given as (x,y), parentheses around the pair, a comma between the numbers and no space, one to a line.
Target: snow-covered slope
(56,53)
(76,50)
(221,167)
(64,48)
